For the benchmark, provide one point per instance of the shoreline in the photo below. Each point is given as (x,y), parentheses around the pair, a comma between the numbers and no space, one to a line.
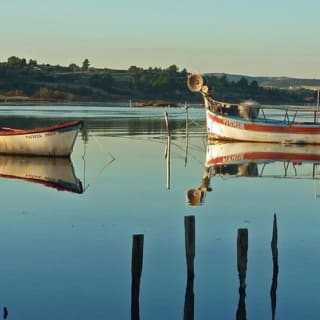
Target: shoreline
(140,104)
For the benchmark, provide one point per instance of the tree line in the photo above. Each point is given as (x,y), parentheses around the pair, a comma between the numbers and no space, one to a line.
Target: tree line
(19,77)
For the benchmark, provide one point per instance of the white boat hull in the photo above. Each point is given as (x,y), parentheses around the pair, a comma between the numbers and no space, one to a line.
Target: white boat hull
(56,140)
(227,128)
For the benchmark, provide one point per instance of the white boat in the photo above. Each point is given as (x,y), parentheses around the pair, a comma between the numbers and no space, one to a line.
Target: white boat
(250,121)
(54,172)
(56,140)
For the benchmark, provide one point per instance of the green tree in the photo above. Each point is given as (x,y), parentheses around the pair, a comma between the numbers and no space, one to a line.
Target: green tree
(85,65)
(73,67)
(33,63)
(15,61)
(243,83)
(173,69)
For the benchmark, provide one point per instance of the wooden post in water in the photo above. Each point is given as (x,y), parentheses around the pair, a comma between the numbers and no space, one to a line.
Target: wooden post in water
(136,270)
(167,122)
(274,250)
(189,226)
(187,133)
(5,313)
(242,259)
(168,150)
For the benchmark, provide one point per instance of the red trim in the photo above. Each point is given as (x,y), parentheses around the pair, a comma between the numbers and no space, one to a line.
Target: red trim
(242,125)
(55,185)
(264,156)
(59,126)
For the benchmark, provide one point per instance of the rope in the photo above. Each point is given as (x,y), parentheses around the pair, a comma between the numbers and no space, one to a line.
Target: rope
(103,168)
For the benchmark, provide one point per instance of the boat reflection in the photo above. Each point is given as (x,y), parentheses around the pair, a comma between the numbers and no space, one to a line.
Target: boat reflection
(54,172)
(263,160)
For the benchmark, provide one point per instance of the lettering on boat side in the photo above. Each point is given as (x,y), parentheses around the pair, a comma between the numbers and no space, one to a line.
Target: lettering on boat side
(233,157)
(233,124)
(34,136)
(32,176)
(40,135)
(50,133)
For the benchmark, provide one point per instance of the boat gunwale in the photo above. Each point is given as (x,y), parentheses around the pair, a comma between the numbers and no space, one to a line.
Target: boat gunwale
(70,125)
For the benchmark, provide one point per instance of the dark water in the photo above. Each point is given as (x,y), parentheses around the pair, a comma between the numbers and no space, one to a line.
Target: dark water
(67,255)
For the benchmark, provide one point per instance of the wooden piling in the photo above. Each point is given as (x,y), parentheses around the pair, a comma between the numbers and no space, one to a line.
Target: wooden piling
(242,255)
(189,225)
(167,122)
(5,313)
(274,250)
(136,270)
(187,134)
(168,162)
(242,259)
(168,150)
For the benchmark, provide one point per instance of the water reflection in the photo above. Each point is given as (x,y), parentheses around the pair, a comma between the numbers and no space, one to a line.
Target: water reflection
(54,172)
(263,160)
(172,283)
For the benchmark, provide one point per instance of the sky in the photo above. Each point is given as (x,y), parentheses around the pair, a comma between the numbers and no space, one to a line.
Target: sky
(249,37)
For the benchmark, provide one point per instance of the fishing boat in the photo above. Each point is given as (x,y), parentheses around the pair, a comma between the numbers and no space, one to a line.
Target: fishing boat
(250,121)
(53,172)
(55,140)
(256,160)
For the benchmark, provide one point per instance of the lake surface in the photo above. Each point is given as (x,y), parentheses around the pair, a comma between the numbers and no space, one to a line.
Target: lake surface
(68,255)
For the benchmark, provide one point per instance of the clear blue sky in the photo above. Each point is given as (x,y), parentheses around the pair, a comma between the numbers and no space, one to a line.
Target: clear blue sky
(252,37)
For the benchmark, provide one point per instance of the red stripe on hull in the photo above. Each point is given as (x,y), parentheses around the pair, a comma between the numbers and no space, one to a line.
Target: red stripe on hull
(241,125)
(263,156)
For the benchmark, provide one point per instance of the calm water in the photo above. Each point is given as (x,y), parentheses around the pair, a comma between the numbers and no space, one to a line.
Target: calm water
(67,255)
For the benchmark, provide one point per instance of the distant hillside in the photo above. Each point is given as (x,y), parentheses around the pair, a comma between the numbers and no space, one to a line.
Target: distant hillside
(271,82)
(24,81)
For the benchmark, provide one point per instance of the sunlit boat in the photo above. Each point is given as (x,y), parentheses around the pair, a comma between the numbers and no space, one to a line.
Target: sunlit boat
(249,121)
(54,172)
(256,160)
(56,140)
